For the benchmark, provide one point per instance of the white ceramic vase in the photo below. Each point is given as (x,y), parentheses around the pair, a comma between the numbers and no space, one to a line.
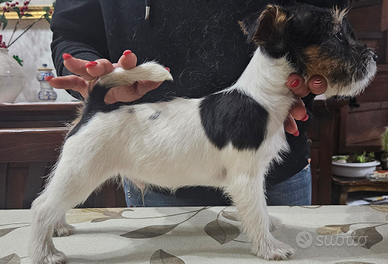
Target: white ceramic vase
(12,78)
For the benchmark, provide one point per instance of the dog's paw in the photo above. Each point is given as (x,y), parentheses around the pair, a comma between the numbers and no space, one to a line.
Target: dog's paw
(274,250)
(63,229)
(56,257)
(274,223)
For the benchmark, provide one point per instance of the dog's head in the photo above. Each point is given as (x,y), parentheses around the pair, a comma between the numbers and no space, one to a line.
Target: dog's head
(315,41)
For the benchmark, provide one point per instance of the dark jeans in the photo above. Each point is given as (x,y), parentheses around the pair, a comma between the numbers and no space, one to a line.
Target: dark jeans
(294,191)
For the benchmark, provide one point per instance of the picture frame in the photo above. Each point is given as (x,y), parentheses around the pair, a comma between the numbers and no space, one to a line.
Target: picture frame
(36,12)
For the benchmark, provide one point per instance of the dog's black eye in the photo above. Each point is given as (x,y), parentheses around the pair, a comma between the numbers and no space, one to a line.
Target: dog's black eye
(339,36)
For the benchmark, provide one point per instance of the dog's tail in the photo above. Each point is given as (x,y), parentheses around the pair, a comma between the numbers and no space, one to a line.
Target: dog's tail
(150,71)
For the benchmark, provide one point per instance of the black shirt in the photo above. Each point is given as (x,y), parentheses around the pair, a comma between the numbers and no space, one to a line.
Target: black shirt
(200,41)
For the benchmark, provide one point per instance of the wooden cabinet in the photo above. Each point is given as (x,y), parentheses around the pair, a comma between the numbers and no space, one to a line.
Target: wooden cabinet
(31,136)
(321,133)
(369,19)
(360,129)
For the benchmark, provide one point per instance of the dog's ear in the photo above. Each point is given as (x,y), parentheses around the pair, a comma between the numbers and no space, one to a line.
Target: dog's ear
(249,25)
(267,28)
(271,24)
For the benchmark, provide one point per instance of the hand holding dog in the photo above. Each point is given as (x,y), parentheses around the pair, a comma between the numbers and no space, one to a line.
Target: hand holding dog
(87,71)
(295,82)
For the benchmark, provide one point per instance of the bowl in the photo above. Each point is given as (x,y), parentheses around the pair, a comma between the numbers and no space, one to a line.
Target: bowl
(354,170)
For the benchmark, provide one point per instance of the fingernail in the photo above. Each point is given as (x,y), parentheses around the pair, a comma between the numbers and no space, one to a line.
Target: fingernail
(127,52)
(296,133)
(90,64)
(317,82)
(66,56)
(48,78)
(295,83)
(305,118)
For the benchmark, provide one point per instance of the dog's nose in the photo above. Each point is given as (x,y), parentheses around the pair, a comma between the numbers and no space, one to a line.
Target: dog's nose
(375,57)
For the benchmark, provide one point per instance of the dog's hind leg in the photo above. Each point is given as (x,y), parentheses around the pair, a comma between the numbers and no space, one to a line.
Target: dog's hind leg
(247,193)
(71,184)
(41,247)
(274,223)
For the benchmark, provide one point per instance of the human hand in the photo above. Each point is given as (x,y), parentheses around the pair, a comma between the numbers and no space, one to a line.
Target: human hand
(296,83)
(89,71)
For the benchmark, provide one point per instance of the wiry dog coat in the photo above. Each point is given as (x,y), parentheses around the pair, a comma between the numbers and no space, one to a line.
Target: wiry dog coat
(225,140)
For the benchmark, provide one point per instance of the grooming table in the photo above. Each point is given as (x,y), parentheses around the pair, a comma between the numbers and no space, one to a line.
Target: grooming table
(319,234)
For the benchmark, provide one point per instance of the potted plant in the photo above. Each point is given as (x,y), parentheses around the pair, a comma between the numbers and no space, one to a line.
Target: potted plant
(355,166)
(11,73)
(384,147)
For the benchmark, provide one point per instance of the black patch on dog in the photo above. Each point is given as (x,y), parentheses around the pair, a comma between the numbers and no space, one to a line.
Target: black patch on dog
(155,115)
(307,27)
(94,104)
(233,117)
(281,31)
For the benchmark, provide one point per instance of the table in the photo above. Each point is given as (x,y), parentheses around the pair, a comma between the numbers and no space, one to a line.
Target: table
(320,234)
(342,186)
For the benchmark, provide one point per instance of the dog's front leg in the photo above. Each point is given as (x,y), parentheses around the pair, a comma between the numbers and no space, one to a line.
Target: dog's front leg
(248,196)
(61,228)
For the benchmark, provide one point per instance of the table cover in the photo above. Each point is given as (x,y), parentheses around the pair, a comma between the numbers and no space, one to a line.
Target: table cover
(319,234)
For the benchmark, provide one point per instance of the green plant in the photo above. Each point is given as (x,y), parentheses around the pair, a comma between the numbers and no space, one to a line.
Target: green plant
(361,158)
(356,158)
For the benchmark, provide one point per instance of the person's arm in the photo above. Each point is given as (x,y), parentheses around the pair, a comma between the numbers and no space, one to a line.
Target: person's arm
(78,29)
(80,52)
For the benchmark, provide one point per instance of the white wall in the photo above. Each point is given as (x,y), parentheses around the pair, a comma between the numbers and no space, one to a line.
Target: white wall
(40,2)
(34,49)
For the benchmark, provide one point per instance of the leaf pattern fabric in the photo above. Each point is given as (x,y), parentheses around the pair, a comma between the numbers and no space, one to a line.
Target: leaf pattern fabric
(221,231)
(338,234)
(150,231)
(5,231)
(162,257)
(10,259)
(367,237)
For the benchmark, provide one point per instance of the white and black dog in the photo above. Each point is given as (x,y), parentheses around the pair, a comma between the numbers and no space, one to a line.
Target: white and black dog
(226,140)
